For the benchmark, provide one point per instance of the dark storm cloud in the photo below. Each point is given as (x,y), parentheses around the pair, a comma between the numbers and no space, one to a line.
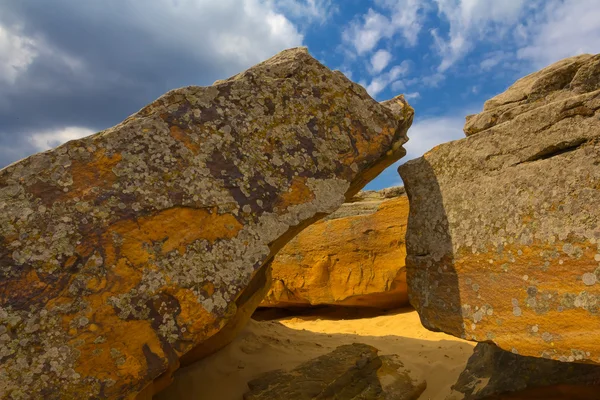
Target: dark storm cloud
(96,62)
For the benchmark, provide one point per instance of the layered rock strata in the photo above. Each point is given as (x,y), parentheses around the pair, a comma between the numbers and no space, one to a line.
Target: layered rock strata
(353,257)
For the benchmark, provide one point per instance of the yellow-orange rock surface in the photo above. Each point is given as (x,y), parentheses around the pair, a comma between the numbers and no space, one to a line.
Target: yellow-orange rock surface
(503,239)
(147,244)
(354,257)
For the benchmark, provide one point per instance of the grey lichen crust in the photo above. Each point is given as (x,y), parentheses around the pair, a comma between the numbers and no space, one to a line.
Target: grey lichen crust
(121,251)
(503,238)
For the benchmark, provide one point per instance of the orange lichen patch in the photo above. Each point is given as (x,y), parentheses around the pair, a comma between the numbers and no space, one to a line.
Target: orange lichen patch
(527,288)
(108,348)
(367,145)
(96,283)
(210,288)
(29,286)
(113,348)
(554,334)
(298,193)
(70,261)
(32,280)
(99,170)
(355,261)
(199,323)
(171,229)
(179,134)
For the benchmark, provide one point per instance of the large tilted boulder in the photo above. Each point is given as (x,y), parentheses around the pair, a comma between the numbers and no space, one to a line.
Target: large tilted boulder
(353,257)
(503,237)
(492,373)
(352,371)
(125,251)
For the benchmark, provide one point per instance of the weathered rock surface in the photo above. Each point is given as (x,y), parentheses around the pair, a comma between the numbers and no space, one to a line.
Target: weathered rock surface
(353,257)
(126,250)
(352,371)
(503,236)
(493,373)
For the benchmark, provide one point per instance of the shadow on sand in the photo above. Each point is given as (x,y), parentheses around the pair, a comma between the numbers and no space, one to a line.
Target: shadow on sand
(268,345)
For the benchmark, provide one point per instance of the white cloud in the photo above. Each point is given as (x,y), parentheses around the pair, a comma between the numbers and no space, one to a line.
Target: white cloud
(310,10)
(379,83)
(493,59)
(405,18)
(380,60)
(366,35)
(398,86)
(376,86)
(399,70)
(471,21)
(42,141)
(433,80)
(259,33)
(17,52)
(423,135)
(412,96)
(427,133)
(217,38)
(238,32)
(452,49)
(566,29)
(255,30)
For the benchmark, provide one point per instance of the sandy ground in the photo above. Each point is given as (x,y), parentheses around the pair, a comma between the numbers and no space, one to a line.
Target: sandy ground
(284,343)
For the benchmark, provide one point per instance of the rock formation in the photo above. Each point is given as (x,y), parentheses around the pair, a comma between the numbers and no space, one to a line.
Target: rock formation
(352,371)
(492,373)
(123,252)
(503,237)
(353,257)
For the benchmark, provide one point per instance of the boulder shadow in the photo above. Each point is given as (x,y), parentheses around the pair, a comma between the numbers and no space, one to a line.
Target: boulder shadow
(433,283)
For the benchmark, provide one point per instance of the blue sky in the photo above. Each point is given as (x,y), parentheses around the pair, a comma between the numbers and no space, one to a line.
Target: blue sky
(78,67)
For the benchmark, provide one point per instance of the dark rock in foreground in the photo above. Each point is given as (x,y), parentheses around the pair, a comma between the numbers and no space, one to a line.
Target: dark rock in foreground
(349,372)
(493,373)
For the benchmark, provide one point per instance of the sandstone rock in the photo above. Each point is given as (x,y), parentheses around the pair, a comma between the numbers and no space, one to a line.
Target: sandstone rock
(492,373)
(558,82)
(353,371)
(353,257)
(503,240)
(122,252)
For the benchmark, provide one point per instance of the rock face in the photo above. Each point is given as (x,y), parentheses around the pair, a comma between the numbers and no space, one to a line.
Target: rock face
(124,251)
(492,373)
(352,371)
(503,237)
(353,257)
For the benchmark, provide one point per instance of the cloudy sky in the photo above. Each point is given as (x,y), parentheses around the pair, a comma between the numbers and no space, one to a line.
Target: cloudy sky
(69,68)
